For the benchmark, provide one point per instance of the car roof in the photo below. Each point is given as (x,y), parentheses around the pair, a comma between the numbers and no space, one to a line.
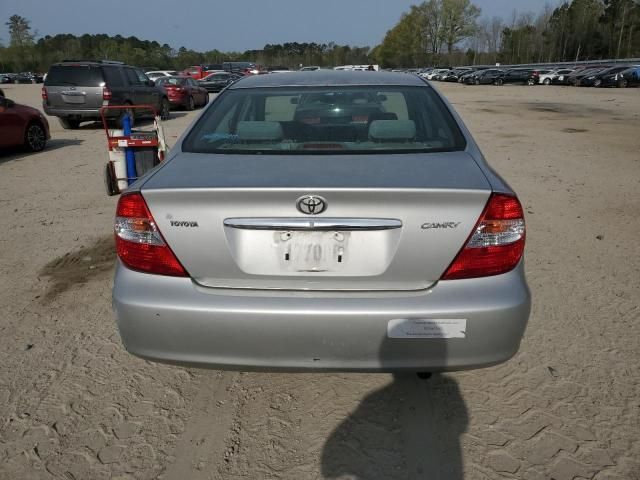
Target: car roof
(324,78)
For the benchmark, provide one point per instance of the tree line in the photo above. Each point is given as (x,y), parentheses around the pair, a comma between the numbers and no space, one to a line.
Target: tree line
(451,32)
(434,32)
(25,53)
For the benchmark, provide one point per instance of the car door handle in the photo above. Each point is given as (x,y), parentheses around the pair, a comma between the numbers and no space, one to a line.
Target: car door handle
(344,224)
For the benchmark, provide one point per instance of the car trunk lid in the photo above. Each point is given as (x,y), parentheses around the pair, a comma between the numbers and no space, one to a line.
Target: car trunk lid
(391,222)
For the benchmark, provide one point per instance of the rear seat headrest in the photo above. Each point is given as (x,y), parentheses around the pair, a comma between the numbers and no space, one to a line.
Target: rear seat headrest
(400,130)
(259,131)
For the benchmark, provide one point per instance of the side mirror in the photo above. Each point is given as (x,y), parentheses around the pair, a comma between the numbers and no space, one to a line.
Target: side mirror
(382,97)
(294,100)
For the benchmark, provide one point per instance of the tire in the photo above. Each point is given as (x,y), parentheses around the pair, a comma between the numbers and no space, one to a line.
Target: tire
(597,83)
(110,182)
(623,83)
(477,82)
(547,81)
(191,104)
(498,82)
(68,123)
(165,109)
(206,99)
(35,138)
(531,82)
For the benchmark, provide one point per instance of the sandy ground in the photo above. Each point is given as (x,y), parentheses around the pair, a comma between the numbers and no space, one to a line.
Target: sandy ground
(75,405)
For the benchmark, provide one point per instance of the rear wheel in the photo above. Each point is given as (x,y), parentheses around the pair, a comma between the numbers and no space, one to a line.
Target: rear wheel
(477,82)
(597,83)
(498,81)
(206,99)
(623,83)
(35,138)
(191,104)
(547,81)
(68,123)
(531,82)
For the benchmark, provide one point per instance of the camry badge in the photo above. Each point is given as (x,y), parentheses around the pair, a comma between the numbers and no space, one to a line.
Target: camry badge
(311,204)
(430,225)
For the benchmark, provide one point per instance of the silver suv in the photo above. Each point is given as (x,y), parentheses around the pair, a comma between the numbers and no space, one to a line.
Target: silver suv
(74,91)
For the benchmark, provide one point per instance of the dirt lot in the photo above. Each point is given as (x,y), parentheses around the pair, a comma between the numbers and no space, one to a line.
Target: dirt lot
(74,405)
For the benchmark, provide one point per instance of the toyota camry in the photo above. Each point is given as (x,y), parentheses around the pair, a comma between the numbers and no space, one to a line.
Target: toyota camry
(323,221)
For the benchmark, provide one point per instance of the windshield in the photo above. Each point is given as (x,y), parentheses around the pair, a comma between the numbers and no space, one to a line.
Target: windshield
(170,81)
(330,120)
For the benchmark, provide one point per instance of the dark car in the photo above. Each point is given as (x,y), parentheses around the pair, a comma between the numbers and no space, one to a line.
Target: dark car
(454,75)
(609,77)
(28,77)
(524,76)
(22,126)
(75,91)
(484,77)
(629,77)
(217,81)
(239,67)
(184,92)
(575,79)
(470,74)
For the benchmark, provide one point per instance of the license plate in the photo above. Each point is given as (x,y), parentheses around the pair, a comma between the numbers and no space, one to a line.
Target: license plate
(80,98)
(313,251)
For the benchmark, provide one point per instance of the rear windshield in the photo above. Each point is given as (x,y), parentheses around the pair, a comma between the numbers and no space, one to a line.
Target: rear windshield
(170,81)
(326,120)
(75,75)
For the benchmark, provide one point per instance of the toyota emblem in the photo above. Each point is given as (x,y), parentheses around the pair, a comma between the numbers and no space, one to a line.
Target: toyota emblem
(311,204)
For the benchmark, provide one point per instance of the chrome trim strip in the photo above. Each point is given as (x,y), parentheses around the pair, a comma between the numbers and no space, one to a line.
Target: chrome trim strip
(295,224)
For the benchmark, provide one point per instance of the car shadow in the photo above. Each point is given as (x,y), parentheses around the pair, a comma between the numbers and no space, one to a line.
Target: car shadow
(409,429)
(10,154)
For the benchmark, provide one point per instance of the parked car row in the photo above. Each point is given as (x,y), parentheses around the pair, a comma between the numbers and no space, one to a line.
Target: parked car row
(23,77)
(620,75)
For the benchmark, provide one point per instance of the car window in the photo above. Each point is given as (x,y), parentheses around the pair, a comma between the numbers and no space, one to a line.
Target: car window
(113,76)
(74,75)
(337,120)
(132,77)
(142,78)
(171,81)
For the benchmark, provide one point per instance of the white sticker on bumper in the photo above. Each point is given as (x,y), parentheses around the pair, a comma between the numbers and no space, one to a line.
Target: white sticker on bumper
(427,328)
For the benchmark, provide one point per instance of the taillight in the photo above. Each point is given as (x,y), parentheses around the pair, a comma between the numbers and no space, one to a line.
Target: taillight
(496,244)
(106,93)
(45,95)
(139,243)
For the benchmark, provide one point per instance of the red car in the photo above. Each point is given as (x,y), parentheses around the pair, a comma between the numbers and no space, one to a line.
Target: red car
(196,72)
(22,126)
(184,92)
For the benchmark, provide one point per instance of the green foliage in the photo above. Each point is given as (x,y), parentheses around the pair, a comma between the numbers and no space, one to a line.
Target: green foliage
(420,35)
(24,54)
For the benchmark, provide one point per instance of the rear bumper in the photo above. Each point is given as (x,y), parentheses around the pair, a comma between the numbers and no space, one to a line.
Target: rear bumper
(89,113)
(174,320)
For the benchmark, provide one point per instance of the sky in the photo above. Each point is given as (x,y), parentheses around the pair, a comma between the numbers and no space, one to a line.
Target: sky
(230,25)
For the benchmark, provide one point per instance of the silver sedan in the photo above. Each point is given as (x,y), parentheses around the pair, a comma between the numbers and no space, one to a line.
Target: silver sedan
(323,221)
